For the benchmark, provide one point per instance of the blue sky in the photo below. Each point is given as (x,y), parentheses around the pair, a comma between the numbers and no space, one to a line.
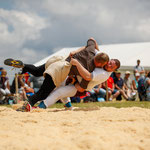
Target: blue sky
(33,29)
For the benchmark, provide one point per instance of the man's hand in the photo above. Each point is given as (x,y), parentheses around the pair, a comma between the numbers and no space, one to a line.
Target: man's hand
(76,51)
(74,62)
(72,53)
(96,45)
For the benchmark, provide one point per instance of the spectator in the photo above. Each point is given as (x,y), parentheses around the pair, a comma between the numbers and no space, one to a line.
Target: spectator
(111,86)
(139,69)
(96,94)
(135,85)
(147,87)
(26,78)
(135,81)
(120,86)
(100,93)
(128,84)
(4,85)
(23,89)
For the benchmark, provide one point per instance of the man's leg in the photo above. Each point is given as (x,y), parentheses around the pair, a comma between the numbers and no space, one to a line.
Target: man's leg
(116,93)
(47,87)
(60,93)
(109,95)
(101,95)
(2,94)
(36,71)
(124,94)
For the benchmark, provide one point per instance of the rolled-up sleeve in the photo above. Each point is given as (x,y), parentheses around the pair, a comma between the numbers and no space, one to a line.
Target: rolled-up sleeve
(90,42)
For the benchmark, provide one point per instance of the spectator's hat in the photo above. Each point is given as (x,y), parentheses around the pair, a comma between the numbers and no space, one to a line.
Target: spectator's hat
(118,72)
(127,72)
(137,74)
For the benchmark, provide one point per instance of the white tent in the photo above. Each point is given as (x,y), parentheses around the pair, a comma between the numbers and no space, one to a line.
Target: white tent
(126,53)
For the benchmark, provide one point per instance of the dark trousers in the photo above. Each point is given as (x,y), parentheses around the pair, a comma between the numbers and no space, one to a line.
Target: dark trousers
(47,86)
(36,71)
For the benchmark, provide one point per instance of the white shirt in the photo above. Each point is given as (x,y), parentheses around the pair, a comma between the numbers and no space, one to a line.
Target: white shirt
(99,76)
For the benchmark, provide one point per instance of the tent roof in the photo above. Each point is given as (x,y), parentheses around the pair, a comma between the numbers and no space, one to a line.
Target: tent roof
(126,53)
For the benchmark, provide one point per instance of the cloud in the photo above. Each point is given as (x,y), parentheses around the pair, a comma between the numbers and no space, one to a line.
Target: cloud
(23,26)
(15,29)
(74,21)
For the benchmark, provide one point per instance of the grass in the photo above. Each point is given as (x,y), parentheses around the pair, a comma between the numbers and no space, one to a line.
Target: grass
(116,104)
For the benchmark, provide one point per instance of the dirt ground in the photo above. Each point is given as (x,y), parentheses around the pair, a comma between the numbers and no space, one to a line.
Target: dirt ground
(105,128)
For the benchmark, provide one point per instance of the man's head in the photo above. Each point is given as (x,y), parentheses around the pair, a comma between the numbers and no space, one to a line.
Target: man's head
(137,75)
(118,74)
(127,74)
(138,62)
(4,72)
(101,59)
(112,65)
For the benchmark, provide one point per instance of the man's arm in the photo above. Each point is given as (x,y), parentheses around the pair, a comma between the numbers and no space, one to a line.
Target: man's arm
(148,82)
(98,75)
(93,42)
(85,74)
(97,89)
(8,85)
(96,45)
(142,71)
(76,51)
(134,85)
(125,86)
(117,87)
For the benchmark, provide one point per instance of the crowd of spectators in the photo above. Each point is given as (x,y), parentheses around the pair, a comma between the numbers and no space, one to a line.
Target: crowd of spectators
(27,85)
(118,86)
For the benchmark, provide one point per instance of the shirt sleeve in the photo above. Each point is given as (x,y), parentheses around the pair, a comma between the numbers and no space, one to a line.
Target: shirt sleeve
(99,74)
(91,42)
(90,46)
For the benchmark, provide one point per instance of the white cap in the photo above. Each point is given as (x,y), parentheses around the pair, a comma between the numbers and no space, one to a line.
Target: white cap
(137,74)
(127,72)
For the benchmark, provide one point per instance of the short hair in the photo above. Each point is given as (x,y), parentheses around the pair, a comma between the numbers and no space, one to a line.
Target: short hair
(4,71)
(1,68)
(101,58)
(117,62)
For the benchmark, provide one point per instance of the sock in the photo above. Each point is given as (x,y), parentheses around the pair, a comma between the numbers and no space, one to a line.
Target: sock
(42,105)
(68,104)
